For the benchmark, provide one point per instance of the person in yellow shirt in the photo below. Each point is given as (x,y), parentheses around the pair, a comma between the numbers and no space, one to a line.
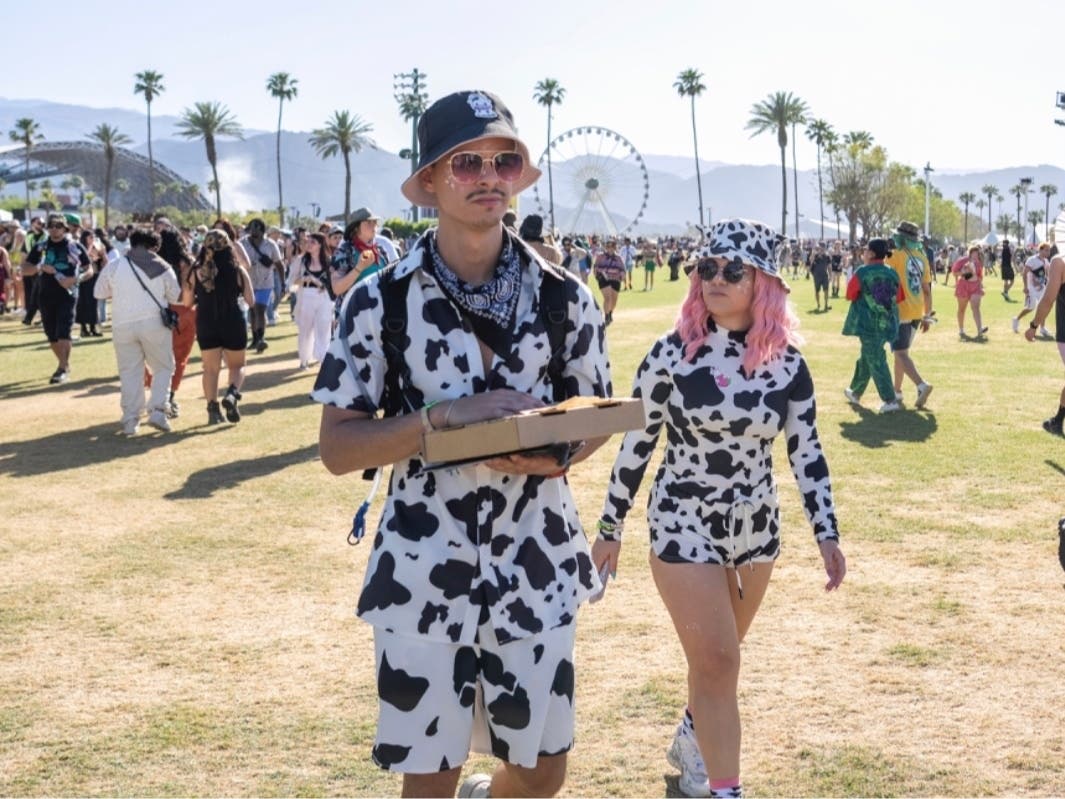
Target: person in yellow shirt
(909,261)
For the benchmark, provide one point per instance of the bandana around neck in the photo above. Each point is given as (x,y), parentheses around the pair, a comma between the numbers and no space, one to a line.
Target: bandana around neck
(490,307)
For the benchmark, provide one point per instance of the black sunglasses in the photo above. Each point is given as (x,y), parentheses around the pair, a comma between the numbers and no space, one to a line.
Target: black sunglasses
(730,273)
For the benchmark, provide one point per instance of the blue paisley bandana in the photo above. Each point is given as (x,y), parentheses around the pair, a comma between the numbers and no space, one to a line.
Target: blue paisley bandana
(490,307)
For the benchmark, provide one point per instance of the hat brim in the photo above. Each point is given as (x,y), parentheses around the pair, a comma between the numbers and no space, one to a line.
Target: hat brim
(412,187)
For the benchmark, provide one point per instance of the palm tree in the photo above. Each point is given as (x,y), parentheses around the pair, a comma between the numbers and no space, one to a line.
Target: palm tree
(832,147)
(992,194)
(1048,190)
(1003,222)
(1035,218)
(26,132)
(981,204)
(344,133)
(775,113)
(282,86)
(150,85)
(819,132)
(77,182)
(549,92)
(798,117)
(206,121)
(1018,191)
(967,197)
(110,138)
(862,139)
(689,83)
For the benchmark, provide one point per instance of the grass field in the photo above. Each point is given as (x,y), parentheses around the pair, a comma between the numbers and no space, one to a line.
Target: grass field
(176,610)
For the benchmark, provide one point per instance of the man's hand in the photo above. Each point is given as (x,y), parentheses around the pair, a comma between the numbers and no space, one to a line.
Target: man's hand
(491,405)
(523,464)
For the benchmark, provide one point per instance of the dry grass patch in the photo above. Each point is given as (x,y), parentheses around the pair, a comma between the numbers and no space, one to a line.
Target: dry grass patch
(176,611)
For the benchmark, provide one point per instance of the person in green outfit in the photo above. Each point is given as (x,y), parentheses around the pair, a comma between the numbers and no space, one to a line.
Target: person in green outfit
(874,292)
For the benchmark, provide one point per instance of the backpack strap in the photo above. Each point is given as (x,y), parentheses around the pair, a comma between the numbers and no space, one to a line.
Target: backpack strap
(394,339)
(553,311)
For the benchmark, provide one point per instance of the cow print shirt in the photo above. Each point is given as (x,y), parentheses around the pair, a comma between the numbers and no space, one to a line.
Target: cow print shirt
(720,427)
(455,547)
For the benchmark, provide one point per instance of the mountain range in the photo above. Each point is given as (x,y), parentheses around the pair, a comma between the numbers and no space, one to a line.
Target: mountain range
(247,172)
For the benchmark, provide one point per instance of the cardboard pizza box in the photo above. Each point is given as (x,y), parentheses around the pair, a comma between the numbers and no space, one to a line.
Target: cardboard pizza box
(576,419)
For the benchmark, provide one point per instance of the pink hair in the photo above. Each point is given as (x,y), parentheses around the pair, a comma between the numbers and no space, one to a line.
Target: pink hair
(774,325)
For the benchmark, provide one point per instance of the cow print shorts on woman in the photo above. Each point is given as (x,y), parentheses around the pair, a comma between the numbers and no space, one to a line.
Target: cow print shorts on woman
(437,701)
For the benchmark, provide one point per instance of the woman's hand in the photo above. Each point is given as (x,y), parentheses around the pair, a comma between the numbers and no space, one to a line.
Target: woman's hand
(605,554)
(835,563)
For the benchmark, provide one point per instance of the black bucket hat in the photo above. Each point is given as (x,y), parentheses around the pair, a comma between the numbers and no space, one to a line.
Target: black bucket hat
(908,230)
(459,119)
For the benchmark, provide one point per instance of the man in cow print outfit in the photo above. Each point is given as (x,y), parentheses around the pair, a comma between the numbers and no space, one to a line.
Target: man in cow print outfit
(477,571)
(724,383)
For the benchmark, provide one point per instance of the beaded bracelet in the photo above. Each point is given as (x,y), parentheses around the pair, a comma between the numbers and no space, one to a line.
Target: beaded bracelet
(427,425)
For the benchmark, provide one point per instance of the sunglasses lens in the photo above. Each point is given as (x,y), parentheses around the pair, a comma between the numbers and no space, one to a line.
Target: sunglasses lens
(732,273)
(467,167)
(509,166)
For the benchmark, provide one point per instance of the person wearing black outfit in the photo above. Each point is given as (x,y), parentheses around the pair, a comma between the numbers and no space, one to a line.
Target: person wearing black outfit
(215,283)
(87,312)
(29,271)
(62,264)
(1008,274)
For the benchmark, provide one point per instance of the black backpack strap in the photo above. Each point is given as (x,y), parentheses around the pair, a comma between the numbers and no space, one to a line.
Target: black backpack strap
(394,339)
(553,311)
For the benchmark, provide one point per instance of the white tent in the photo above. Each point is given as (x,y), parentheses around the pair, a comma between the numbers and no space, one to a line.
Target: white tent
(990,240)
(5,216)
(1059,230)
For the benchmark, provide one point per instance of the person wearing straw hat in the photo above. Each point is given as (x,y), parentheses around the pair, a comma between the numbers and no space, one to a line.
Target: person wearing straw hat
(478,570)
(725,382)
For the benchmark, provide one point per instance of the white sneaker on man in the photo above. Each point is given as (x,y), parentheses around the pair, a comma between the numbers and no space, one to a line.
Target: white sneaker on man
(923,392)
(475,786)
(1045,333)
(1015,323)
(890,407)
(130,427)
(683,754)
(852,398)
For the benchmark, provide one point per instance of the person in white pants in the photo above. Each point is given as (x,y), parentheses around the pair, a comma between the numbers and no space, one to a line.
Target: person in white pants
(308,278)
(137,285)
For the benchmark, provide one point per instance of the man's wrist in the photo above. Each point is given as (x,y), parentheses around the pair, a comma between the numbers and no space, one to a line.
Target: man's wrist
(1033,325)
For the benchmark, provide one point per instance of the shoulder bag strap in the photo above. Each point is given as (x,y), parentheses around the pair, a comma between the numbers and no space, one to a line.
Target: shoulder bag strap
(133,267)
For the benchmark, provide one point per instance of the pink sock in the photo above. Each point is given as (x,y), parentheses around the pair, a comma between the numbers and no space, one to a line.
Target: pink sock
(729,787)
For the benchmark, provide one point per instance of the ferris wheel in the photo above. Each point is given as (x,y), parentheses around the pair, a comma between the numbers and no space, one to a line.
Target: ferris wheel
(599,181)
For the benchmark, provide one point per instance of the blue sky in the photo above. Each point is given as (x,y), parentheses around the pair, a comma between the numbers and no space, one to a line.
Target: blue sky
(932,81)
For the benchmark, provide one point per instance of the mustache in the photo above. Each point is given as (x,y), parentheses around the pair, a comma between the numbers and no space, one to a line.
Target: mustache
(481,192)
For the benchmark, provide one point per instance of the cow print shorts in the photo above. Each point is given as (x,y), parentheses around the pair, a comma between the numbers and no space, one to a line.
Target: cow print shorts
(437,701)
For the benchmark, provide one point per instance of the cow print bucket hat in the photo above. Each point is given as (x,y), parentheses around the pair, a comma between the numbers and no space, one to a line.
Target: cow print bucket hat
(744,241)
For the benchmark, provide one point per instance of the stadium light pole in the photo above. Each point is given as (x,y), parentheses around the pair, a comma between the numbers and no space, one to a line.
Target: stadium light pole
(409,91)
(1027,184)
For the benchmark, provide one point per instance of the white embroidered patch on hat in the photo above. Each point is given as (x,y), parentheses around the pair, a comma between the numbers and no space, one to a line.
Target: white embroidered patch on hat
(482,106)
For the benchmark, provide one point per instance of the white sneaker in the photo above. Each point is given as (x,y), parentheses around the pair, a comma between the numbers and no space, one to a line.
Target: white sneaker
(923,392)
(890,407)
(852,398)
(158,420)
(1015,323)
(130,427)
(475,785)
(683,754)
(1044,333)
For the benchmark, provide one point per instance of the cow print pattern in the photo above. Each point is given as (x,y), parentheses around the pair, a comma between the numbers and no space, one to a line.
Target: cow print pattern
(455,547)
(718,462)
(438,701)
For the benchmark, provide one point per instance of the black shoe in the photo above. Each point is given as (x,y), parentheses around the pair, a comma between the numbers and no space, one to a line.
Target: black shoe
(261,346)
(229,402)
(172,407)
(1052,426)
(214,413)
(85,332)
(62,375)
(94,332)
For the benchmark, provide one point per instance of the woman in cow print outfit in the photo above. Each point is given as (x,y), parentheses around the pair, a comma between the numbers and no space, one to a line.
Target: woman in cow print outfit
(724,384)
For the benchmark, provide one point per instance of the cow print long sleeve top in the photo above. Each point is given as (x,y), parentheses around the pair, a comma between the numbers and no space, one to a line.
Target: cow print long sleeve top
(720,428)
